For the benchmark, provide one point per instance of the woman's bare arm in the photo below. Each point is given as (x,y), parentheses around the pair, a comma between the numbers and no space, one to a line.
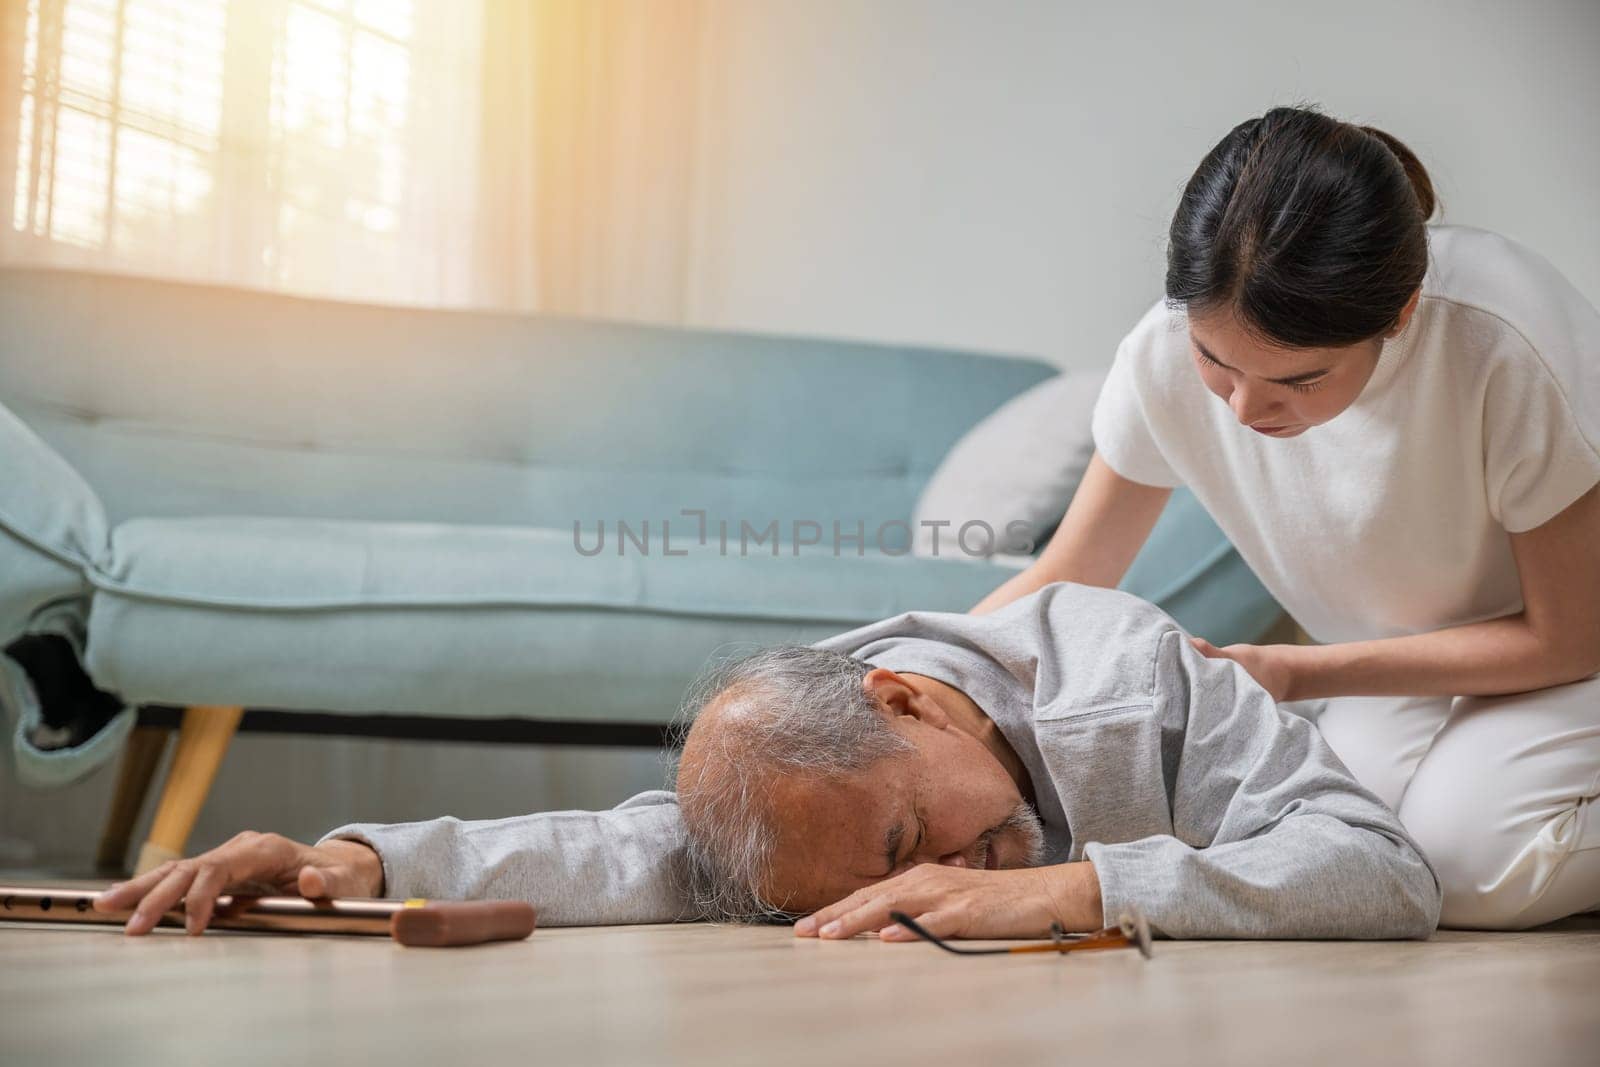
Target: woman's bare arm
(1107,523)
(1555,638)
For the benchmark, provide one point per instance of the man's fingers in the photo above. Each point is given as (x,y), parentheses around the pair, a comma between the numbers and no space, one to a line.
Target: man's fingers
(871,915)
(903,892)
(811,924)
(940,924)
(201,898)
(124,895)
(161,899)
(257,863)
(318,882)
(322,875)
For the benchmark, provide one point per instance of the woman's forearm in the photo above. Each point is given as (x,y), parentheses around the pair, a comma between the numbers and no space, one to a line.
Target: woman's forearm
(1555,639)
(1503,655)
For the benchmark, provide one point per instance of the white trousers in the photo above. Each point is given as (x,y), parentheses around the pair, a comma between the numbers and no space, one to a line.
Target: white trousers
(1500,792)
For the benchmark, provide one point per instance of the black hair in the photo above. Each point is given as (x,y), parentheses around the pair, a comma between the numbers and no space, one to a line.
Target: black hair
(1310,230)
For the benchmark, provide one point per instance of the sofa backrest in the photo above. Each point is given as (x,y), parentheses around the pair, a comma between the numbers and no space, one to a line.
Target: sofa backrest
(179,399)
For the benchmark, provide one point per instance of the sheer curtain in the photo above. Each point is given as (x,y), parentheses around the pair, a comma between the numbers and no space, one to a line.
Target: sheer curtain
(534,155)
(594,115)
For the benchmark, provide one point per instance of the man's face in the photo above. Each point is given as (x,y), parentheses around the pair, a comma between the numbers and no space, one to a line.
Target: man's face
(947,801)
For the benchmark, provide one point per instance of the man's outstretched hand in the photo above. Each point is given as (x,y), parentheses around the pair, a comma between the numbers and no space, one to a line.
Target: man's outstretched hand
(962,902)
(260,864)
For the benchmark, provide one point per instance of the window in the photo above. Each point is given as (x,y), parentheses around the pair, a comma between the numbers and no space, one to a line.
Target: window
(340,88)
(121,111)
(266,142)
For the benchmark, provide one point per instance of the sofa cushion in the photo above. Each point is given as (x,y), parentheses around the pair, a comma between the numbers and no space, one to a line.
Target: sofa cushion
(487,622)
(1022,463)
(465,620)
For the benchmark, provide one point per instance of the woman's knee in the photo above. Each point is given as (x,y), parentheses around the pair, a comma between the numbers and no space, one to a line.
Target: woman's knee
(1504,805)
(1505,870)
(1508,855)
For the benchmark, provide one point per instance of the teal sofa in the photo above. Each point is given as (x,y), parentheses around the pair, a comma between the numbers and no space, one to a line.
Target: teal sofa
(379,517)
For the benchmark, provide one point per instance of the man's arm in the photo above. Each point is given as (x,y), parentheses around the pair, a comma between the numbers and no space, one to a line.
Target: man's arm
(1272,836)
(579,868)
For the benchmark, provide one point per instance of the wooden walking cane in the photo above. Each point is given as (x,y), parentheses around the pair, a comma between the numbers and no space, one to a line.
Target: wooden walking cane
(433,923)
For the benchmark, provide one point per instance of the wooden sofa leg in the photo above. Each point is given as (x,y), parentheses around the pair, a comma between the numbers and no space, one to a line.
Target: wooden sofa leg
(202,742)
(140,758)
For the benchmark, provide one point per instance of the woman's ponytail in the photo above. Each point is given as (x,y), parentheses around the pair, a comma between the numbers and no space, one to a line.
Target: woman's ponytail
(1416,173)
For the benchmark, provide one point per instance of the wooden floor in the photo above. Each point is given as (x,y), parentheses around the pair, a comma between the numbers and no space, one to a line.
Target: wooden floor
(701,994)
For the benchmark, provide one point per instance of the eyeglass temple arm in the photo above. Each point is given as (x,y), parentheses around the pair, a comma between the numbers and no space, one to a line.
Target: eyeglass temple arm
(1131,932)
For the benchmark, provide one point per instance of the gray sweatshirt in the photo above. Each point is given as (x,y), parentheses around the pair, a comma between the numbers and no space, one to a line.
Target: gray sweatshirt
(1195,797)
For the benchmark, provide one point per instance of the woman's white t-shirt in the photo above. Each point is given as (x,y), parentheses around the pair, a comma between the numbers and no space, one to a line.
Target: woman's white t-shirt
(1481,419)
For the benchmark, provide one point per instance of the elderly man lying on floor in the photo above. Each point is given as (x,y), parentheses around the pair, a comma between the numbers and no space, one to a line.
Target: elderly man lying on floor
(1058,760)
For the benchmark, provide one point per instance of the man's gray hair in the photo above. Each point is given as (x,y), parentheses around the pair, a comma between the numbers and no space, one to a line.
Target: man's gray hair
(784,709)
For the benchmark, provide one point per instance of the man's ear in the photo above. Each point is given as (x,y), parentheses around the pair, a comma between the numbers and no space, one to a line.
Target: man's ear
(896,696)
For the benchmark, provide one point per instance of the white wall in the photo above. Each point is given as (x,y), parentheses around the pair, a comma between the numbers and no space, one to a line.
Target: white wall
(1000,175)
